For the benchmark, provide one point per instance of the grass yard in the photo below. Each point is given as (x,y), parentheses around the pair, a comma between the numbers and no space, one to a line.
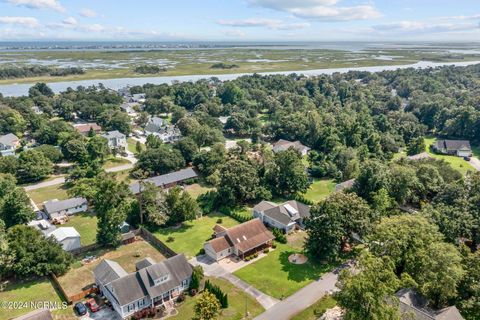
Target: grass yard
(39,196)
(115,162)
(86,224)
(80,276)
(456,162)
(320,189)
(190,237)
(29,291)
(317,309)
(197,189)
(236,303)
(277,277)
(132,145)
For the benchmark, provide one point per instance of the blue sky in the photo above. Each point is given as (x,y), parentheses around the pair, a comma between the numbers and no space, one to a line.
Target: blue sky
(240,20)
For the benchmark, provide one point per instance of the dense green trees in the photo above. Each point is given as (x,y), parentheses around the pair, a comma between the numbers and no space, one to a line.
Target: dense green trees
(33,166)
(207,307)
(15,205)
(287,173)
(34,255)
(160,160)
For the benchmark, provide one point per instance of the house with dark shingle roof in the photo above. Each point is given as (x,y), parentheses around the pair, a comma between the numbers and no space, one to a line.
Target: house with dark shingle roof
(345,185)
(150,285)
(414,307)
(285,216)
(242,240)
(282,145)
(460,148)
(116,139)
(59,208)
(167,180)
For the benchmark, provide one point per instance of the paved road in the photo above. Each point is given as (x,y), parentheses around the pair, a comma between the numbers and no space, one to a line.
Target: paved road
(61,180)
(303,298)
(212,268)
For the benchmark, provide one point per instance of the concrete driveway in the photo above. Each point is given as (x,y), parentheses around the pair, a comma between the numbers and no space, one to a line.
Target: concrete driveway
(475,162)
(212,268)
(102,314)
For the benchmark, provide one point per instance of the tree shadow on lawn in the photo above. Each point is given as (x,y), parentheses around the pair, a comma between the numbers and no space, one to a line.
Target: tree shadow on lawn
(311,270)
(172,230)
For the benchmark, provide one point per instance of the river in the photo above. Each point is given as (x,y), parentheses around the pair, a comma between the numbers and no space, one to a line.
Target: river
(16,90)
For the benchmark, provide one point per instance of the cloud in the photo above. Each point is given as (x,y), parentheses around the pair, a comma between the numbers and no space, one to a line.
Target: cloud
(39,4)
(438,25)
(267,23)
(88,13)
(322,10)
(22,21)
(70,21)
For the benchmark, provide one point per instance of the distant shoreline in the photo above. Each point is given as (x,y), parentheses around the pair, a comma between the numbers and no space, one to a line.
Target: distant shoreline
(16,90)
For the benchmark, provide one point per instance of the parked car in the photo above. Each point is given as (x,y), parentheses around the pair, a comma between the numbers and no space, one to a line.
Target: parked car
(80,309)
(466,158)
(92,305)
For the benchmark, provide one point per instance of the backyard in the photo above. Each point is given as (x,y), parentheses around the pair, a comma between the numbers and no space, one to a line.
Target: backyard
(197,189)
(86,224)
(28,291)
(456,162)
(319,190)
(237,302)
(80,276)
(115,162)
(39,196)
(277,277)
(191,235)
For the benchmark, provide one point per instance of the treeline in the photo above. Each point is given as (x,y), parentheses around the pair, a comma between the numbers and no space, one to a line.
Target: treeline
(149,69)
(223,65)
(7,72)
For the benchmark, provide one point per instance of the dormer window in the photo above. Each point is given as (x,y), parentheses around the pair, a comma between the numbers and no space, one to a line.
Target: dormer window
(161,279)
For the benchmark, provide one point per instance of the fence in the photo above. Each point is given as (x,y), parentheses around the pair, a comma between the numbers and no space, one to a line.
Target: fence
(81,250)
(159,245)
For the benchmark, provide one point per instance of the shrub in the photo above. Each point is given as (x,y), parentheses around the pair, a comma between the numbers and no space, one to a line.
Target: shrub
(219,220)
(219,294)
(193,292)
(181,297)
(266,250)
(170,239)
(255,255)
(279,235)
(201,252)
(274,246)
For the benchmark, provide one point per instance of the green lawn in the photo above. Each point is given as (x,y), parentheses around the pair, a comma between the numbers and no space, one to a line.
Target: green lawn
(317,309)
(237,300)
(132,145)
(190,237)
(277,277)
(115,162)
(320,189)
(39,196)
(29,291)
(197,189)
(86,224)
(456,162)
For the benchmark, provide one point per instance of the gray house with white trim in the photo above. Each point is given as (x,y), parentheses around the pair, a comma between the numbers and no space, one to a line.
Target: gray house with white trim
(150,285)
(59,208)
(285,216)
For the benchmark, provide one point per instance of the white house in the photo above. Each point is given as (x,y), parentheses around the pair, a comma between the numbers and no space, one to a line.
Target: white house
(460,148)
(150,285)
(68,237)
(116,139)
(58,208)
(8,144)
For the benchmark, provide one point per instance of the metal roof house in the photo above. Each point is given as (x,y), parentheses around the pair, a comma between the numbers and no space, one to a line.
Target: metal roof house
(68,237)
(58,208)
(167,180)
(150,285)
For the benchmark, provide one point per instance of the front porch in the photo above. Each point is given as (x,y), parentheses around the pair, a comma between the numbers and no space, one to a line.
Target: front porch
(257,249)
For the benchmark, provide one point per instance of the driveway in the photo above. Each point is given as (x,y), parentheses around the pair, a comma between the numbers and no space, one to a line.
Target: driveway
(303,298)
(212,268)
(475,162)
(102,314)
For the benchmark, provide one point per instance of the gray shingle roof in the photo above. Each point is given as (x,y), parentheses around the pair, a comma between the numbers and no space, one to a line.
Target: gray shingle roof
(141,283)
(144,263)
(114,134)
(345,185)
(108,271)
(282,145)
(8,139)
(174,177)
(412,303)
(60,205)
(453,145)
(281,212)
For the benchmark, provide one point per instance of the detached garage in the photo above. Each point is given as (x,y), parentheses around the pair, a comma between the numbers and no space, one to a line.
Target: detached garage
(68,237)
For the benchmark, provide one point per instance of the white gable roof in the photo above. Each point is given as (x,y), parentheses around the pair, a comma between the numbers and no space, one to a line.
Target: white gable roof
(63,233)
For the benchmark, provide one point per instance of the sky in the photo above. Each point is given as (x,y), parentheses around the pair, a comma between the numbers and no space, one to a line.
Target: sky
(240,20)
